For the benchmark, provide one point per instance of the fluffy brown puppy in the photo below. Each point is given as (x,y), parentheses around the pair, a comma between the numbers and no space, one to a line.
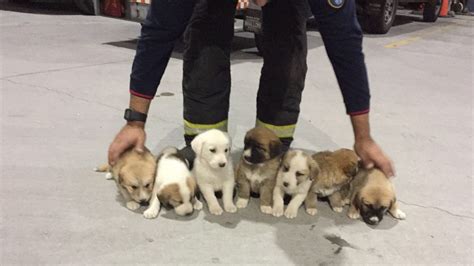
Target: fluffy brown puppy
(371,195)
(336,169)
(134,174)
(257,169)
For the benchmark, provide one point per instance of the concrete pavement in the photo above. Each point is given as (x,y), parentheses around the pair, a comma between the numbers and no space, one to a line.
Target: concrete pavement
(64,85)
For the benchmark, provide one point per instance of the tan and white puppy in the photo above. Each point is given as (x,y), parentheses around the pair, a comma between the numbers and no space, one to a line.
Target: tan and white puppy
(134,174)
(258,166)
(294,178)
(174,186)
(214,170)
(371,195)
(337,169)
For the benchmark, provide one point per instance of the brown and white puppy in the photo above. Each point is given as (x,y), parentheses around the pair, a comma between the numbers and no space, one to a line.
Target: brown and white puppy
(258,166)
(371,195)
(295,176)
(134,174)
(336,169)
(175,186)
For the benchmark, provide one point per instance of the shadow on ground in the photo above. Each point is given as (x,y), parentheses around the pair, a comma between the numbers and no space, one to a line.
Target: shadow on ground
(306,240)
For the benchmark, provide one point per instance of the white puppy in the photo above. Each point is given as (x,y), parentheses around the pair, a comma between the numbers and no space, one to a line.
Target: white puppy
(214,170)
(174,185)
(297,172)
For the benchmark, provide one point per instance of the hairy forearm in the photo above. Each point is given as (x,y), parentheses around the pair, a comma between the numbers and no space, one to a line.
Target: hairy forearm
(140,105)
(361,127)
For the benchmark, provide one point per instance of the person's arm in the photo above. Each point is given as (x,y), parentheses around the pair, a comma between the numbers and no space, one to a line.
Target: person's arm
(368,150)
(342,38)
(165,23)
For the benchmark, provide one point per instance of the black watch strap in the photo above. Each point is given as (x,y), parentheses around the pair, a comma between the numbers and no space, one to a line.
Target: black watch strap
(131,115)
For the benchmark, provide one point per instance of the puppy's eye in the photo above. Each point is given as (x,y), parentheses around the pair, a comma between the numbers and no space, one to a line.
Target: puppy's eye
(226,150)
(212,150)
(134,187)
(286,168)
(147,185)
(298,174)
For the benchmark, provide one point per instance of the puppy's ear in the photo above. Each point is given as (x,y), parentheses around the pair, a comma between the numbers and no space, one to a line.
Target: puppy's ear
(351,170)
(313,168)
(276,147)
(197,143)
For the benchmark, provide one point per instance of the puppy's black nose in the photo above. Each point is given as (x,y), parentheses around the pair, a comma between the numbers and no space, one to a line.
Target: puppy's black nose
(221,164)
(285,184)
(144,202)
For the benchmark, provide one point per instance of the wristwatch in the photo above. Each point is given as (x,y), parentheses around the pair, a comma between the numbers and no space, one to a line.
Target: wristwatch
(131,115)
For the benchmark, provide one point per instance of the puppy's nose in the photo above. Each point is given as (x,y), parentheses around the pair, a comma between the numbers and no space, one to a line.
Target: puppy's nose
(144,202)
(286,184)
(221,164)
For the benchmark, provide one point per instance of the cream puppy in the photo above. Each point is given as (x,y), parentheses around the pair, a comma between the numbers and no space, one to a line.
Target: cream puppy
(214,170)
(295,176)
(134,174)
(174,185)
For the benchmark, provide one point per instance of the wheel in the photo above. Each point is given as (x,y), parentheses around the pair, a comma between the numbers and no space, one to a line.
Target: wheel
(382,22)
(457,7)
(85,6)
(431,10)
(259,42)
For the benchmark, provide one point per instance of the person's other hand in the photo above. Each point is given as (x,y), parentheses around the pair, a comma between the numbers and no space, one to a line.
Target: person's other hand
(131,135)
(372,155)
(260,3)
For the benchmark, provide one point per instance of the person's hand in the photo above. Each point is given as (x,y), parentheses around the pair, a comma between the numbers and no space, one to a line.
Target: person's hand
(131,135)
(372,155)
(260,3)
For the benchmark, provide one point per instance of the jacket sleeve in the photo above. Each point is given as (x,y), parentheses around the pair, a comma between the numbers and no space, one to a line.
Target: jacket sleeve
(165,23)
(342,38)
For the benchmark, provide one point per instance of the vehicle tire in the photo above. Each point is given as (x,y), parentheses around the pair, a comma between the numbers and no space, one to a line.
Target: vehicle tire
(382,22)
(85,6)
(457,7)
(431,10)
(259,42)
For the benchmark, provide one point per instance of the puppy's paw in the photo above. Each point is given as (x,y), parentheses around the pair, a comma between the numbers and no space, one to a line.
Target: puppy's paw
(109,176)
(242,203)
(151,213)
(216,210)
(132,205)
(266,209)
(277,211)
(337,209)
(197,205)
(399,214)
(291,213)
(353,215)
(230,208)
(312,211)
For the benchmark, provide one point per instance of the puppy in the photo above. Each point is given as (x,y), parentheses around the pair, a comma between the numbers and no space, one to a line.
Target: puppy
(258,167)
(134,174)
(336,169)
(294,178)
(174,185)
(214,170)
(371,195)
